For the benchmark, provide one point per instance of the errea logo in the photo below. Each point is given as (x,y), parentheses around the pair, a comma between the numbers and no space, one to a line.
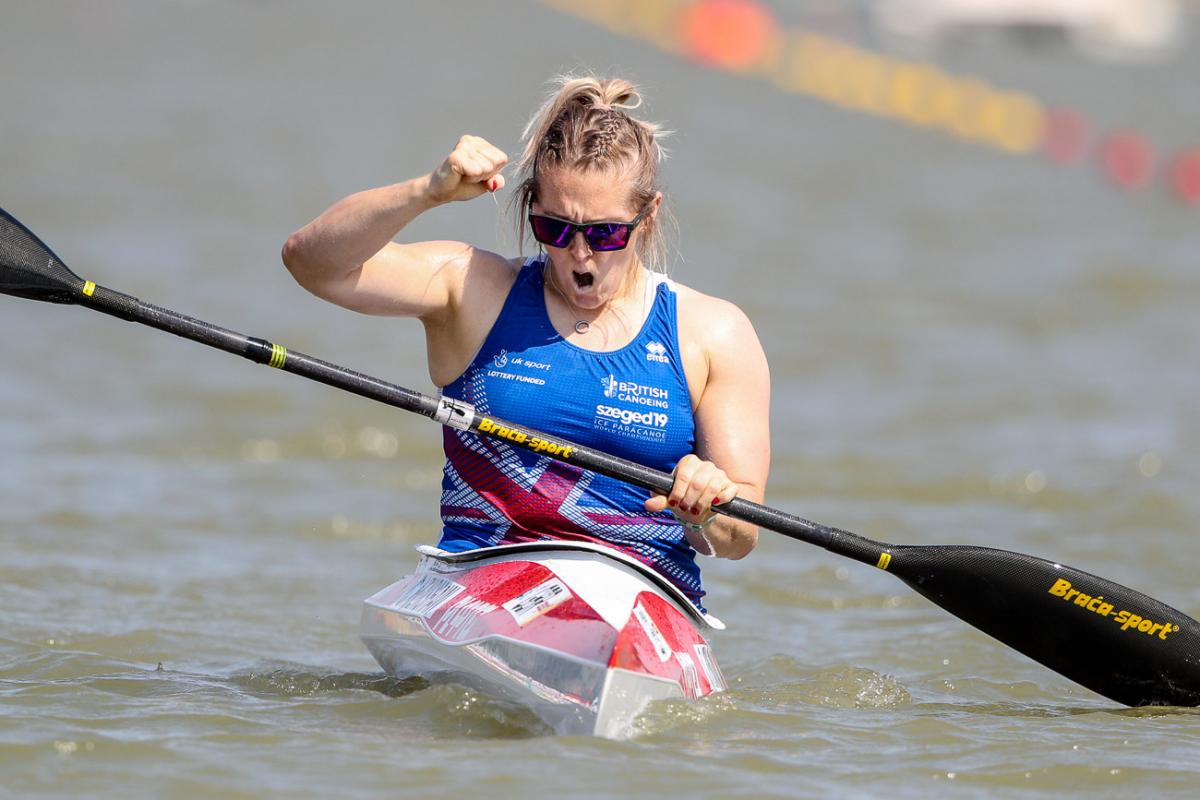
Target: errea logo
(657,352)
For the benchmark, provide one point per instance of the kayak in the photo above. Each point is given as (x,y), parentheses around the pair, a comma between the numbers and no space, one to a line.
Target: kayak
(583,635)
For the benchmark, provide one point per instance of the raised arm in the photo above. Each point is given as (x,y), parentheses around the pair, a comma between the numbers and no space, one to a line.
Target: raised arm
(347,256)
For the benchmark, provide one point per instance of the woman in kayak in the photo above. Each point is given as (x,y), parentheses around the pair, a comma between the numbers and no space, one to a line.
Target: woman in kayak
(588,340)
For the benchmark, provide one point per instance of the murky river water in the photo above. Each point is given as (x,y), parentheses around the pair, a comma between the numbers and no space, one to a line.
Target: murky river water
(966,347)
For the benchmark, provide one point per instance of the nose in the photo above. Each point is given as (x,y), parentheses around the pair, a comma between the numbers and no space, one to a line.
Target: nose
(579,248)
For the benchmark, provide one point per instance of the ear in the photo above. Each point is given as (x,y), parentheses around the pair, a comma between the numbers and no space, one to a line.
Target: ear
(654,204)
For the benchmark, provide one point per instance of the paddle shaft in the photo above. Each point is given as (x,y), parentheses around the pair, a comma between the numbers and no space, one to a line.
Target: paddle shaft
(462,416)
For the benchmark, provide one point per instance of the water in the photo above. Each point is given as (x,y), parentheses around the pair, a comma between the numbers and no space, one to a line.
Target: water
(966,347)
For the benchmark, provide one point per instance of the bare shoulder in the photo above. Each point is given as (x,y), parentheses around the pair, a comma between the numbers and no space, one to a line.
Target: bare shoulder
(723,359)
(457,261)
(477,287)
(481,284)
(472,278)
(716,323)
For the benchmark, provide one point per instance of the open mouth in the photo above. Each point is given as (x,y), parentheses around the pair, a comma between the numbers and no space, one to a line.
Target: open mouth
(583,280)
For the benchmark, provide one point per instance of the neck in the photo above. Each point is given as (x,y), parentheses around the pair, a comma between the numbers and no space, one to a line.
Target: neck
(621,315)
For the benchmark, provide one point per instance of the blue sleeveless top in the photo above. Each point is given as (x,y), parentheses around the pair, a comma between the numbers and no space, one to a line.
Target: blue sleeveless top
(632,402)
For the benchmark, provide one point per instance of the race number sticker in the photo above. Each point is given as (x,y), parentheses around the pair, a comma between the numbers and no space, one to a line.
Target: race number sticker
(656,638)
(426,594)
(530,605)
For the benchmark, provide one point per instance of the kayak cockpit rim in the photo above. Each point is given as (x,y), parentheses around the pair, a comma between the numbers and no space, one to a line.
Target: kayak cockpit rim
(673,593)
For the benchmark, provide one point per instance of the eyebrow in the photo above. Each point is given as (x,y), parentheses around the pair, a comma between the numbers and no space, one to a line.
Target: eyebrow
(546,213)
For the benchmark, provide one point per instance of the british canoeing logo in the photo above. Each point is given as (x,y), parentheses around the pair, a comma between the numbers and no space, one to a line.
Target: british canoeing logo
(638,393)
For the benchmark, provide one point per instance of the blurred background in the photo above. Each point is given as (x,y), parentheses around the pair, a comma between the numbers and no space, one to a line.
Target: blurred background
(965,230)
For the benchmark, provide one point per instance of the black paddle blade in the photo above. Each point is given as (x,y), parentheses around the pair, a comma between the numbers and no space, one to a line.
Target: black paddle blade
(1117,642)
(28,268)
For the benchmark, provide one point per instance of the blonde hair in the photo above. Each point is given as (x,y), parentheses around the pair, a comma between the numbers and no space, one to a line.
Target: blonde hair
(585,124)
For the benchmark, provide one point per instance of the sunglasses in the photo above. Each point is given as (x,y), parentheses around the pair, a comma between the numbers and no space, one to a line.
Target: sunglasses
(602,237)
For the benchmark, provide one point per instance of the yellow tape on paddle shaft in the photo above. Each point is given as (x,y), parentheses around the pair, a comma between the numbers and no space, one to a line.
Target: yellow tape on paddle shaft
(278,356)
(88,288)
(885,559)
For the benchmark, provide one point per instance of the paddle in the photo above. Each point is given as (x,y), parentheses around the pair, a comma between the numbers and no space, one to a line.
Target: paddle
(1114,640)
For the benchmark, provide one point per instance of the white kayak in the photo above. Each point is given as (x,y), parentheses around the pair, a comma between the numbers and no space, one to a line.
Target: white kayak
(583,635)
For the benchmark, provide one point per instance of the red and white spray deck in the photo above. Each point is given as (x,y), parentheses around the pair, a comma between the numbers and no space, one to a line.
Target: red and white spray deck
(582,634)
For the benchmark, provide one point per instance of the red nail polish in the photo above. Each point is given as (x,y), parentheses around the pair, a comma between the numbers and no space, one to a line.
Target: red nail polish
(716,501)
(671,503)
(695,509)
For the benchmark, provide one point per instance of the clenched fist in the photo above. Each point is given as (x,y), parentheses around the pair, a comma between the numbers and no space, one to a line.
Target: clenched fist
(471,169)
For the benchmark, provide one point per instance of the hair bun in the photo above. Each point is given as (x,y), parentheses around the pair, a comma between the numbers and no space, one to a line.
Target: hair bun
(623,95)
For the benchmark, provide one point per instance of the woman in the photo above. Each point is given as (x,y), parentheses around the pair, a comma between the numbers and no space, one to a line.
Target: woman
(584,341)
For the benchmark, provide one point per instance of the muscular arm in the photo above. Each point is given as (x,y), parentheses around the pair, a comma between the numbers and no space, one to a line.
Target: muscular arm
(731,386)
(347,256)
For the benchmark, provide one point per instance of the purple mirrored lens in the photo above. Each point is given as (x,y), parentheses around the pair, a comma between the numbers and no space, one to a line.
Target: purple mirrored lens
(553,232)
(609,236)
